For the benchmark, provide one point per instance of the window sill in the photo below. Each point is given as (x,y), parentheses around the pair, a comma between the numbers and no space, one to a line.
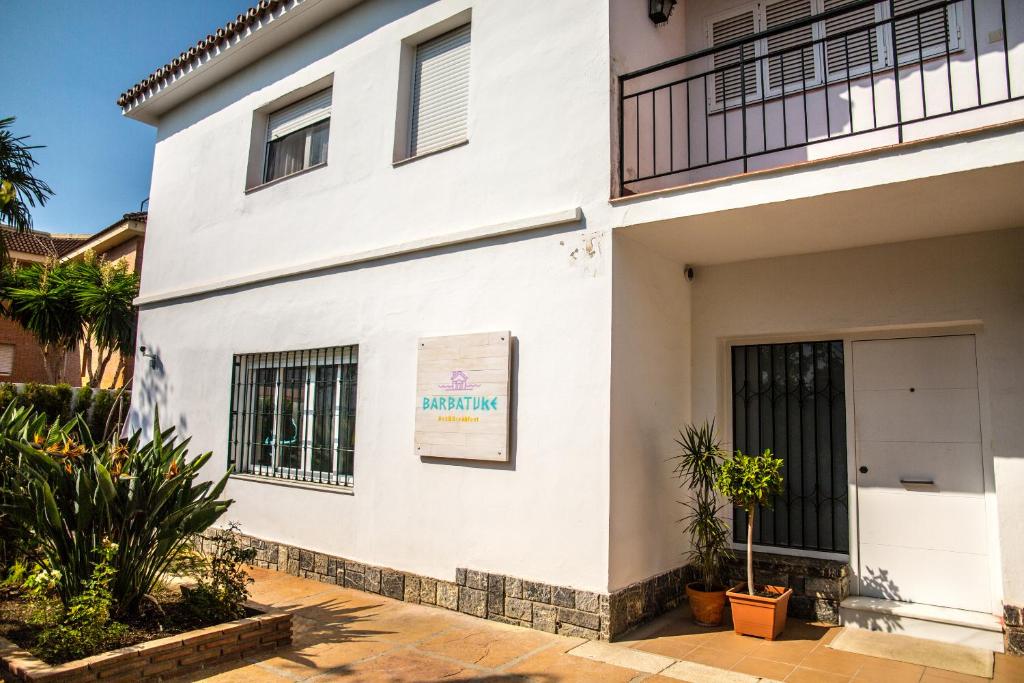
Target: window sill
(291,483)
(275,181)
(409,160)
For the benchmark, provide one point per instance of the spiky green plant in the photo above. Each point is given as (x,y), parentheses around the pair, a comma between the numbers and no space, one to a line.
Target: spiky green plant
(74,495)
(697,464)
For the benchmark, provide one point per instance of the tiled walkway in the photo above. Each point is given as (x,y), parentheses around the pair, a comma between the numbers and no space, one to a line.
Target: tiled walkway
(342,634)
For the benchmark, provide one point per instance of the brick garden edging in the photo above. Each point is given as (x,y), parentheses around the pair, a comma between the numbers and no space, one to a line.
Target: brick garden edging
(506,599)
(158,659)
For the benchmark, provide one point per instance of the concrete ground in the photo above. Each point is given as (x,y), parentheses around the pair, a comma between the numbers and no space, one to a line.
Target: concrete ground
(343,634)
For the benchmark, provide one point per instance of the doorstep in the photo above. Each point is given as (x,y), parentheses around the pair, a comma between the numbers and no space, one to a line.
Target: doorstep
(944,624)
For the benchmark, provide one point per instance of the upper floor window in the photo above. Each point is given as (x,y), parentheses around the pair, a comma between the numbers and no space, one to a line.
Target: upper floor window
(297,136)
(846,44)
(439,105)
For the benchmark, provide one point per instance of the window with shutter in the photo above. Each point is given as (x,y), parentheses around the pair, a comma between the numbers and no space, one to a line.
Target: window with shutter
(928,31)
(297,136)
(440,95)
(859,43)
(796,62)
(6,359)
(730,83)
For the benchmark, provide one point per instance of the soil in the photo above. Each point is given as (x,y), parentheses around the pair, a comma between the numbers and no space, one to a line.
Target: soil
(172,617)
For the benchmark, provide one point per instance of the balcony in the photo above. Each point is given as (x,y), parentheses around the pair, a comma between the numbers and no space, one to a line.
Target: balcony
(858,75)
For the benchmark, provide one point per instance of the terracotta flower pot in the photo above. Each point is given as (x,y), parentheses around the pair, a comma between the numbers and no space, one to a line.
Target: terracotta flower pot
(755,615)
(707,606)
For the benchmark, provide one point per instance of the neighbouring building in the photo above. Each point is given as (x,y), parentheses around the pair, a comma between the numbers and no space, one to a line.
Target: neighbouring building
(120,241)
(458,270)
(21,358)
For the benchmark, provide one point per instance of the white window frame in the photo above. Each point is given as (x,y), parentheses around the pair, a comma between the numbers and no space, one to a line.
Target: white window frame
(884,39)
(315,121)
(306,428)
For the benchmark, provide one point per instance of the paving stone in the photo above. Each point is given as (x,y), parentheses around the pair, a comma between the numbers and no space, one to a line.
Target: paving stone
(475,579)
(545,618)
(460,576)
(513,587)
(392,584)
(563,597)
(587,601)
(578,618)
(518,609)
(536,592)
(495,594)
(472,601)
(448,595)
(412,588)
(428,591)
(320,563)
(372,579)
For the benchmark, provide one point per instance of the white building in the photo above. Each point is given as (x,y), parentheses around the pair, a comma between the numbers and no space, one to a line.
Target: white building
(822,256)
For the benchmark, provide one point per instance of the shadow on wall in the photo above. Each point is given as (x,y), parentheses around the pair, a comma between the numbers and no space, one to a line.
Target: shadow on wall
(359,22)
(876,583)
(150,391)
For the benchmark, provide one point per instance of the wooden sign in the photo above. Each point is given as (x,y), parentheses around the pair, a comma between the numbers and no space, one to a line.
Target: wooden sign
(462,396)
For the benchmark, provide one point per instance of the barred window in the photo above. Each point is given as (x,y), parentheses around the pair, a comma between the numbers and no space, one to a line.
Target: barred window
(791,398)
(293,414)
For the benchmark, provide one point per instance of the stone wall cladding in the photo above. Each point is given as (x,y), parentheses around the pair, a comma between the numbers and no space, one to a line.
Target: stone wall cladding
(1013,629)
(818,585)
(507,599)
(157,660)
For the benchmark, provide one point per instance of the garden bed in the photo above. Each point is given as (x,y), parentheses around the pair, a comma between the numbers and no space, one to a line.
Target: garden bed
(164,657)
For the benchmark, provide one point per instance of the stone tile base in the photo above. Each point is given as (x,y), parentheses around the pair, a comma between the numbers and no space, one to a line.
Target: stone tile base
(510,600)
(818,585)
(1013,629)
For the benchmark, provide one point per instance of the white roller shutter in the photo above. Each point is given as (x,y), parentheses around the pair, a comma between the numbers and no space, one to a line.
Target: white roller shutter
(861,46)
(796,66)
(930,30)
(6,359)
(440,92)
(730,83)
(299,115)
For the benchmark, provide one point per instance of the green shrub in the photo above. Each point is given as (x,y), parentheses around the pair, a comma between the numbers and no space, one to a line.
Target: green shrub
(73,495)
(750,481)
(102,403)
(83,402)
(221,596)
(52,400)
(85,626)
(8,394)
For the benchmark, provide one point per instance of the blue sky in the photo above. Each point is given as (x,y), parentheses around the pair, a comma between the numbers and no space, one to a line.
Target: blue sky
(62,65)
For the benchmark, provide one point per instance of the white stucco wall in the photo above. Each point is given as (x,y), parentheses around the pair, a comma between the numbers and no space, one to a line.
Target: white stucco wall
(650,402)
(912,288)
(538,75)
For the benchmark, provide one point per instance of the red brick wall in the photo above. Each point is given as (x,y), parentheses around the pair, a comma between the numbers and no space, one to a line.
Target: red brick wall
(28,359)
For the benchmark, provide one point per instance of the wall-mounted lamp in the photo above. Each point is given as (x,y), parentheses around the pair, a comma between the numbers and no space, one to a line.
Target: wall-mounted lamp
(153,360)
(659,10)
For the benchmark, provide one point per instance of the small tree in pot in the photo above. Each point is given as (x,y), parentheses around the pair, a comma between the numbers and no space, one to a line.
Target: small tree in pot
(698,462)
(750,481)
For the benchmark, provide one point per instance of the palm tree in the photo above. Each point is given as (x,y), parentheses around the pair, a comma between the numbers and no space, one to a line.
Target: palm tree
(40,297)
(19,188)
(104,293)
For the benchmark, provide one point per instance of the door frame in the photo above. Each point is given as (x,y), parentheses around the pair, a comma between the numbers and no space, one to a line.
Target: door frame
(848,336)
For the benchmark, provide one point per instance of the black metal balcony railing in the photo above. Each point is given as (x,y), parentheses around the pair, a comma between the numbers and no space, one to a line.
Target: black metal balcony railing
(761,100)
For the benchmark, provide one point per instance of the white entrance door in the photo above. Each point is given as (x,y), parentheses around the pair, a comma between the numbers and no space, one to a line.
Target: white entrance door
(919,472)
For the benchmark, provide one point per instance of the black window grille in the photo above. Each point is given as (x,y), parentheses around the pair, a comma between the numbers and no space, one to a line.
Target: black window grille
(293,414)
(791,398)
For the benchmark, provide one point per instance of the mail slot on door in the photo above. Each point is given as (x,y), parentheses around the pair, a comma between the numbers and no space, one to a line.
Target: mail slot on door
(918,484)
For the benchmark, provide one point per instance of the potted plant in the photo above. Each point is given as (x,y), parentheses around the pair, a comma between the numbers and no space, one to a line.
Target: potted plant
(750,481)
(700,453)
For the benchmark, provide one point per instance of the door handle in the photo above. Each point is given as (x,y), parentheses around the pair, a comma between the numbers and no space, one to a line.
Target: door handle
(917,482)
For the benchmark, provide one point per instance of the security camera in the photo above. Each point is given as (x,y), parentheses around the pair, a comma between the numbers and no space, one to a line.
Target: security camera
(688,272)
